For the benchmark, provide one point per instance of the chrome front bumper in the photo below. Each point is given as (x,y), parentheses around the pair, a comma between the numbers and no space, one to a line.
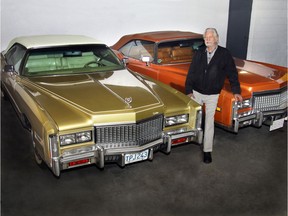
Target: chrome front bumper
(257,118)
(251,118)
(98,155)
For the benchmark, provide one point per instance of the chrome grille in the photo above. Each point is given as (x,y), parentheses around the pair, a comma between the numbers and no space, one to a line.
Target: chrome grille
(128,135)
(270,101)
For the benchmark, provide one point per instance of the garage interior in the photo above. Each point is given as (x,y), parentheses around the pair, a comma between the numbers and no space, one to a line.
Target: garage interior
(248,177)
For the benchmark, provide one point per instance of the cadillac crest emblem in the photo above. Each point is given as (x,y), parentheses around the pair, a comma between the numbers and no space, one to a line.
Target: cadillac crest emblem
(128,100)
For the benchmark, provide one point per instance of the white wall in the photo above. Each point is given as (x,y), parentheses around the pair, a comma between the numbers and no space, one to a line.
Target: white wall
(108,20)
(268,32)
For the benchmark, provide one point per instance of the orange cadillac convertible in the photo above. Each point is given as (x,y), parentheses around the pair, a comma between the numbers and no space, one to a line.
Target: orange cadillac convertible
(166,56)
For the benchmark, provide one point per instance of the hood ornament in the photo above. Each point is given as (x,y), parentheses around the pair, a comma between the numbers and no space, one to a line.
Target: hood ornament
(128,100)
(271,75)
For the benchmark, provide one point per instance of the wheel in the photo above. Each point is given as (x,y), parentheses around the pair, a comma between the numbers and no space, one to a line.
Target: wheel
(38,158)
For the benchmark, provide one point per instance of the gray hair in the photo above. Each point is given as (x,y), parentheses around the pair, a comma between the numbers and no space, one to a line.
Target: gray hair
(215,33)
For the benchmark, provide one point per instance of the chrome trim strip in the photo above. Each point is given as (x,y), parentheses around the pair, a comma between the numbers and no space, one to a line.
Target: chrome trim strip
(100,153)
(275,112)
(151,153)
(132,149)
(77,157)
(185,134)
(56,166)
(199,119)
(246,118)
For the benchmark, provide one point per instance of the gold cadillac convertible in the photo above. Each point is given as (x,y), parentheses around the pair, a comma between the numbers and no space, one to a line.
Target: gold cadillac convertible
(82,106)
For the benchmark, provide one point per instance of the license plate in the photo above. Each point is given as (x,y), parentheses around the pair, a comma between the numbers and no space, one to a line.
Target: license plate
(135,157)
(279,123)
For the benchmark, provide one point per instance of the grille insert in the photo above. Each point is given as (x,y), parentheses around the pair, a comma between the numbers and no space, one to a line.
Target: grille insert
(128,135)
(271,101)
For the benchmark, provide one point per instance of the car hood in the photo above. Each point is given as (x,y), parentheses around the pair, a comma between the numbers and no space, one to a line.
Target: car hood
(251,74)
(78,101)
(103,91)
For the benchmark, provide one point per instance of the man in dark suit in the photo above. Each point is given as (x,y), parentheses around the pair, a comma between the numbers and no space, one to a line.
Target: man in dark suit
(205,79)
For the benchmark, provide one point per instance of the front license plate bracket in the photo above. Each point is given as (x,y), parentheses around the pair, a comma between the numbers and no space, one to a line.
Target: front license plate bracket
(137,156)
(276,124)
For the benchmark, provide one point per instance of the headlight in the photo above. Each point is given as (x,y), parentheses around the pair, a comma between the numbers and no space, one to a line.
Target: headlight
(174,120)
(244,104)
(74,138)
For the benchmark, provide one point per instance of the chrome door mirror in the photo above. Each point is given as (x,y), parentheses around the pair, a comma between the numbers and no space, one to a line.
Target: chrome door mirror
(146,59)
(9,68)
(125,61)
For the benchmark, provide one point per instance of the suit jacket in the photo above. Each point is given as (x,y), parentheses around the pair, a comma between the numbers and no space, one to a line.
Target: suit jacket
(209,78)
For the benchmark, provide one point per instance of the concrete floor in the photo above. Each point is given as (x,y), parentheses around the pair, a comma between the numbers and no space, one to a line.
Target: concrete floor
(248,177)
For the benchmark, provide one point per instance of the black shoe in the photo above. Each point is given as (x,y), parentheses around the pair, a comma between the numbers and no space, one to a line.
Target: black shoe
(207,157)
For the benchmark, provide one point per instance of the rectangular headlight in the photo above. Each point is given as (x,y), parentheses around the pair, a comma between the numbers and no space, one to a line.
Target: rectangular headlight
(83,137)
(74,138)
(178,119)
(244,104)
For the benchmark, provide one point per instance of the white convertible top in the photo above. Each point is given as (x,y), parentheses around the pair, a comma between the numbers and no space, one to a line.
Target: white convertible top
(38,41)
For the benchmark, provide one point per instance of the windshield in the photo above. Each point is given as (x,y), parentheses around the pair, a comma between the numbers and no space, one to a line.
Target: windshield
(70,59)
(180,51)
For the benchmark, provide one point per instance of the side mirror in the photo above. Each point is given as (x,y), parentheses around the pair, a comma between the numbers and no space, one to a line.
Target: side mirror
(125,61)
(146,59)
(9,68)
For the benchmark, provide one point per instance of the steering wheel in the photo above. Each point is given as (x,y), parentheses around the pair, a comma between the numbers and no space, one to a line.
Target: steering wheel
(93,62)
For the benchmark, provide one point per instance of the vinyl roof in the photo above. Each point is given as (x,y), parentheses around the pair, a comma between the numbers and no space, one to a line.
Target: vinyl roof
(38,41)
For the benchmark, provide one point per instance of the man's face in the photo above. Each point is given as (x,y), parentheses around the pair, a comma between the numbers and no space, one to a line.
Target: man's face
(210,39)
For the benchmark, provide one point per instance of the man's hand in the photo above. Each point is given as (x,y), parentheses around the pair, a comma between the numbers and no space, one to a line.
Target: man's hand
(238,97)
(191,95)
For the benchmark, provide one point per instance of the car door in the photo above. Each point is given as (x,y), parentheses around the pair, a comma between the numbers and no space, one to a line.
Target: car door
(11,79)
